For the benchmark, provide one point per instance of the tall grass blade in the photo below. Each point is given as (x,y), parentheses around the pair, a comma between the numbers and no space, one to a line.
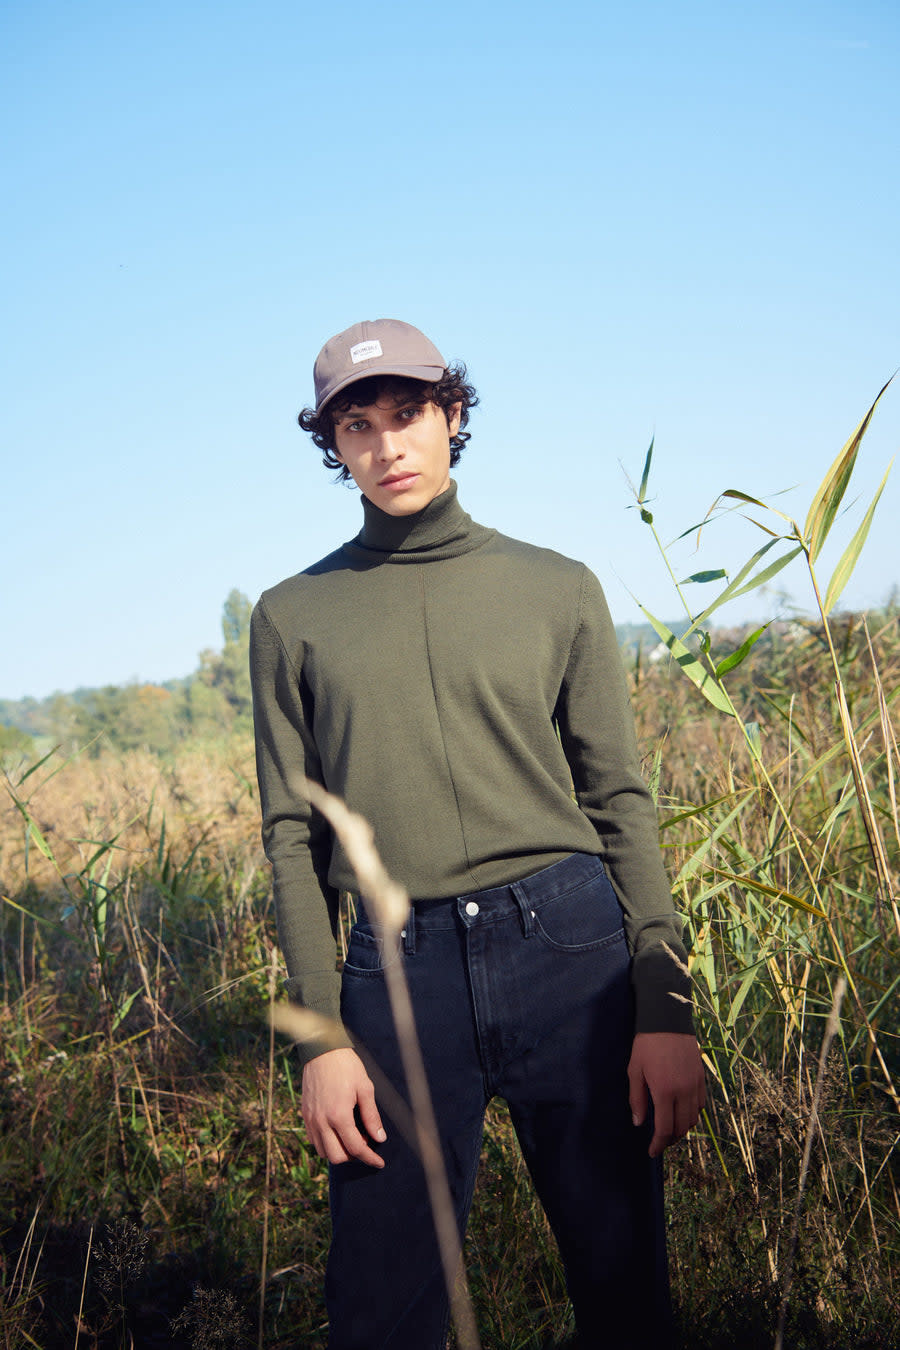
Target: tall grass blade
(830,493)
(844,569)
(698,674)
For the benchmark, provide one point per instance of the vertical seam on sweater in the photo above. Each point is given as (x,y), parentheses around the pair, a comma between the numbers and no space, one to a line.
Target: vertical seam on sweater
(437,711)
(579,621)
(579,624)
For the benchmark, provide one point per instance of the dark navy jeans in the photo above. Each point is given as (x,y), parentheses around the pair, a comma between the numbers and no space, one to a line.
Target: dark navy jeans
(520,992)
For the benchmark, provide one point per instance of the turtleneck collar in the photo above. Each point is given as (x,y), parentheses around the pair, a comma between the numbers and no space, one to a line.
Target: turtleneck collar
(442,529)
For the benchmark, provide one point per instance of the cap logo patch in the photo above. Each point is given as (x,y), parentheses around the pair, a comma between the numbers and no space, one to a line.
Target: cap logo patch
(364,351)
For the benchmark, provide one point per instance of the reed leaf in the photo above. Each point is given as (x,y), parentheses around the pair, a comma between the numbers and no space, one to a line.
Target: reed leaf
(830,493)
(694,811)
(744,988)
(753,737)
(655,772)
(716,574)
(739,496)
(33,829)
(701,525)
(645,476)
(745,582)
(774,892)
(33,768)
(736,657)
(699,675)
(844,569)
(23,909)
(693,864)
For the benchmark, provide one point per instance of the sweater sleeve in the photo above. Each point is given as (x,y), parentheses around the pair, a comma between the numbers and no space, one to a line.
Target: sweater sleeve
(296,838)
(597,732)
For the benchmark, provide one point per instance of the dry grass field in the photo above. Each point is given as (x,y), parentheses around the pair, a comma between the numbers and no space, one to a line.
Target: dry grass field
(152,1150)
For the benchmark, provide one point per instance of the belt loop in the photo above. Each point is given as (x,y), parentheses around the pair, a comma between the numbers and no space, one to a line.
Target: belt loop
(525,910)
(409,933)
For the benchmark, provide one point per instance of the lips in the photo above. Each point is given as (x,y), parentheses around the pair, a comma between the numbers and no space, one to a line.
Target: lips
(397,481)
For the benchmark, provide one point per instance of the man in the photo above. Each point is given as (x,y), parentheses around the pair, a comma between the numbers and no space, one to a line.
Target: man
(464,691)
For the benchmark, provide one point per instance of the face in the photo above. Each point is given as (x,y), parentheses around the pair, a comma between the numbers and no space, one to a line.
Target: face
(398,454)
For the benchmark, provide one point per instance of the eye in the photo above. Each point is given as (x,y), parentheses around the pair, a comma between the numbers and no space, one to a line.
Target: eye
(409,414)
(358,425)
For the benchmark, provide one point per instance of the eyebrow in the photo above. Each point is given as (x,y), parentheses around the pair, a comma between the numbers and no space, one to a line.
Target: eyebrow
(354,413)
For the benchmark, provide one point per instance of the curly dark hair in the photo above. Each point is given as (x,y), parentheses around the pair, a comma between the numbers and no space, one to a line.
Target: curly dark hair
(450,391)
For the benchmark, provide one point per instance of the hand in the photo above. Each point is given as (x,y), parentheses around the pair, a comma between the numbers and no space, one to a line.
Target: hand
(334,1085)
(668,1064)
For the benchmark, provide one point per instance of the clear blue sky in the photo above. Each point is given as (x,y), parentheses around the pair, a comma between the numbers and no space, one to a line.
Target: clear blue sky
(677,220)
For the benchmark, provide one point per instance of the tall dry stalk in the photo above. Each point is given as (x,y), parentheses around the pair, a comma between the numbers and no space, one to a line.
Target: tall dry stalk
(84,1276)
(267,1180)
(388,903)
(831,1030)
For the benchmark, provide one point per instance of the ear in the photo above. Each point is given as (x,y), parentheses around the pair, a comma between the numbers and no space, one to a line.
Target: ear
(454,414)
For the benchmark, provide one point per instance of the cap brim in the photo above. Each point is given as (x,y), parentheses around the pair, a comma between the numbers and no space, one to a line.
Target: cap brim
(430,374)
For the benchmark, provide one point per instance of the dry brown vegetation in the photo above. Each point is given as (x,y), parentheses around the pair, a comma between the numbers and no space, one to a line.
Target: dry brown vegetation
(204,796)
(137,969)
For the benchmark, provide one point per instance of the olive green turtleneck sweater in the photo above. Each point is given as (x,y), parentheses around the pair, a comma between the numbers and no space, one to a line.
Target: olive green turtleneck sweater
(452,685)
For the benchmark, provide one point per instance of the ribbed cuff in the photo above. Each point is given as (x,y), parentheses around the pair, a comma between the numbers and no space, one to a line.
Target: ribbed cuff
(662,992)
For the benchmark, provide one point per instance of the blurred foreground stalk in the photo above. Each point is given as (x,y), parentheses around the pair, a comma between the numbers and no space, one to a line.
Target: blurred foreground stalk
(388,905)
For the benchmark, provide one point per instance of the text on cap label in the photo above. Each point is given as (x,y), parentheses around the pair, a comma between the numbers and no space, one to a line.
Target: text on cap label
(364,351)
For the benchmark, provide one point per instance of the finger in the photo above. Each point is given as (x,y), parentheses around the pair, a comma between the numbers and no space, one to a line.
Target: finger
(658,1144)
(637,1098)
(332,1149)
(369,1116)
(687,1113)
(313,1135)
(356,1145)
(663,1127)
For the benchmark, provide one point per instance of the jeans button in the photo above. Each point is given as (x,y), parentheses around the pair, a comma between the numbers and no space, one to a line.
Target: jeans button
(472,908)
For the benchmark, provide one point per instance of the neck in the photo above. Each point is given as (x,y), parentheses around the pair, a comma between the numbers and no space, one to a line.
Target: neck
(440,529)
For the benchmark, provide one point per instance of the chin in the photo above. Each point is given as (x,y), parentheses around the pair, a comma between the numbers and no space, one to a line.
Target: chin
(407,508)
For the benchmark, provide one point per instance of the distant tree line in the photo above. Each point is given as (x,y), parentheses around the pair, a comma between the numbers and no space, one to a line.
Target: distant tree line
(212,703)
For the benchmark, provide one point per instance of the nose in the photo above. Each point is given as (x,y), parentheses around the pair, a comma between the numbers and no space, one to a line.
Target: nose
(390,446)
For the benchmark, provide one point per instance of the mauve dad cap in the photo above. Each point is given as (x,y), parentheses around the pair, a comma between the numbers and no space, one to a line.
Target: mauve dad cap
(374,347)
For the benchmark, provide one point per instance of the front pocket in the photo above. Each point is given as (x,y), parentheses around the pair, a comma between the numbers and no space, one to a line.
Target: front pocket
(366,953)
(582,919)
